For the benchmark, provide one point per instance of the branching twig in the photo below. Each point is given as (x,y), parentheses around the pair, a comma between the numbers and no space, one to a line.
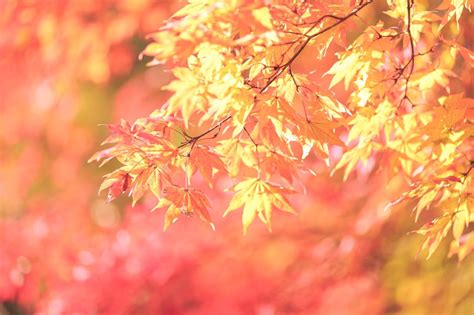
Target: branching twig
(256,150)
(193,140)
(279,69)
(411,61)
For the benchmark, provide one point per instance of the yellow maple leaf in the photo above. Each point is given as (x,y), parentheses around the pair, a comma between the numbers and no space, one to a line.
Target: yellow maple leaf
(236,154)
(258,197)
(263,16)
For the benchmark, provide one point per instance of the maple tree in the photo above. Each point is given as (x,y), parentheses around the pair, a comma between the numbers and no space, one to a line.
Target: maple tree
(242,109)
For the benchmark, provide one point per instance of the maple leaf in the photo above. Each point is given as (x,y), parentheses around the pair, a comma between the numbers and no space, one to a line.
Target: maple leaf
(182,201)
(237,154)
(189,93)
(140,179)
(455,8)
(435,231)
(463,247)
(117,183)
(147,179)
(466,53)
(207,162)
(258,197)
(263,16)
(276,162)
(318,133)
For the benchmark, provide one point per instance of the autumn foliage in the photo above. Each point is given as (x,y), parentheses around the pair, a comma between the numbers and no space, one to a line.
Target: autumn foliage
(242,110)
(345,127)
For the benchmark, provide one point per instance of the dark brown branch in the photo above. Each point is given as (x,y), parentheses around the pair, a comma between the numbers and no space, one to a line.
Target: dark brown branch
(193,140)
(411,61)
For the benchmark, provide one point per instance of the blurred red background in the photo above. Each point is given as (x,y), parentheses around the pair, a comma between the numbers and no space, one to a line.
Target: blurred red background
(68,66)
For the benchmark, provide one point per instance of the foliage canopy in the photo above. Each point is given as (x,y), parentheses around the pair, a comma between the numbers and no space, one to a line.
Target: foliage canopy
(253,103)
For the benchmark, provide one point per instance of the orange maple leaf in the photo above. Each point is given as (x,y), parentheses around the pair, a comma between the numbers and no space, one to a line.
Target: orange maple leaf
(185,201)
